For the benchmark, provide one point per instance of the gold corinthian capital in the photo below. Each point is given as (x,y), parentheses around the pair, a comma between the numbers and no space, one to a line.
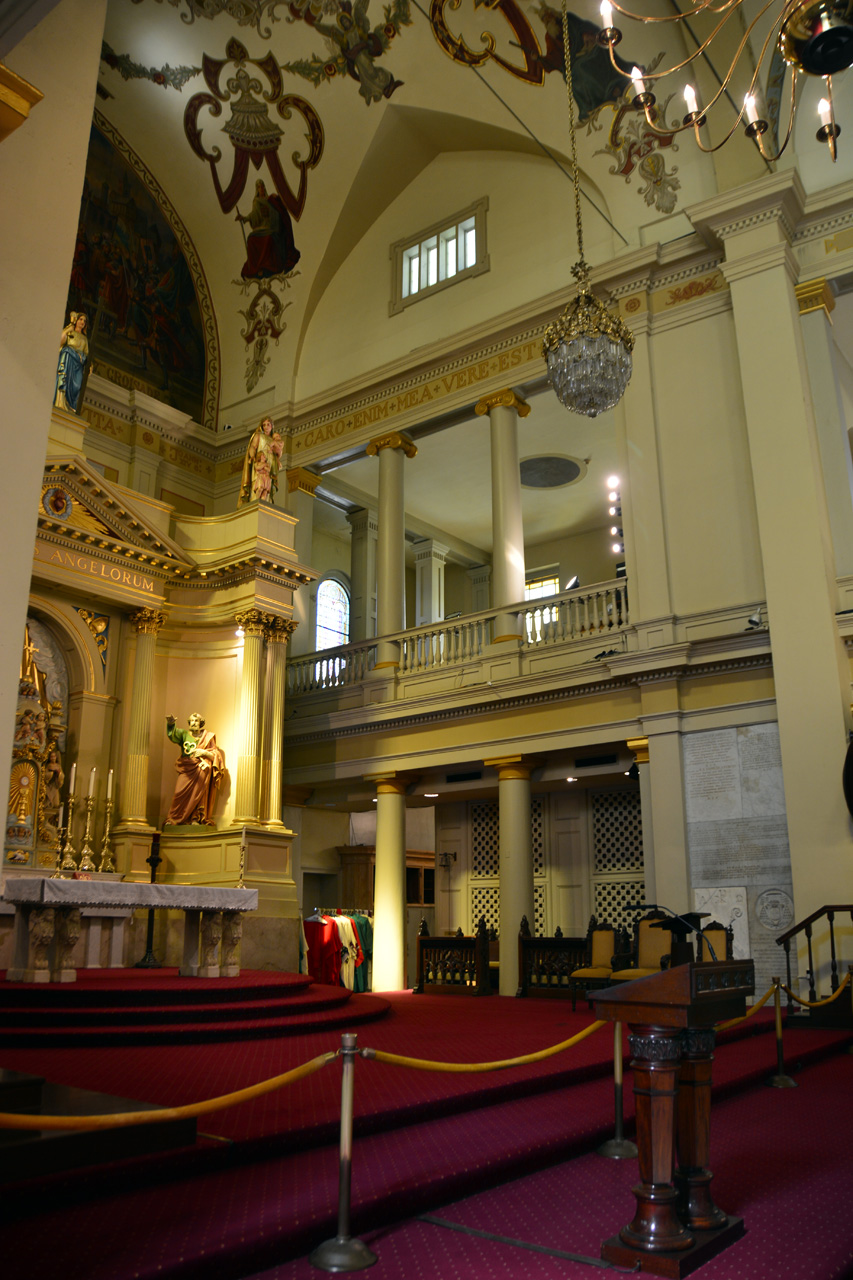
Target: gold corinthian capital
(147,621)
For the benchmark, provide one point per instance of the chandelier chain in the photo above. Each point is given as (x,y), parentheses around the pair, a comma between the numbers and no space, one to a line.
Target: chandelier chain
(580,271)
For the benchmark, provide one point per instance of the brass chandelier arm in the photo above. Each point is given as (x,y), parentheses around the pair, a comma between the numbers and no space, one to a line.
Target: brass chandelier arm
(707,6)
(767,155)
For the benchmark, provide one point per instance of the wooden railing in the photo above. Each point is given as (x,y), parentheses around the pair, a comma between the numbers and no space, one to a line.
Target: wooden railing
(454,966)
(581,614)
(545,964)
(805,926)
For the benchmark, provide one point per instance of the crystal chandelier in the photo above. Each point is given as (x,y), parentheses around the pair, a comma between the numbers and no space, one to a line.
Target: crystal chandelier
(814,38)
(588,348)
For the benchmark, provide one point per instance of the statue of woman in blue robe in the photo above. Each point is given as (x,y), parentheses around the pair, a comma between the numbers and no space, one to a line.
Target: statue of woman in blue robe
(73,354)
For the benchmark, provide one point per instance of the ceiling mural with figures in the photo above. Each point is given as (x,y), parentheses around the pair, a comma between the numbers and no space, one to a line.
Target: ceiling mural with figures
(261,126)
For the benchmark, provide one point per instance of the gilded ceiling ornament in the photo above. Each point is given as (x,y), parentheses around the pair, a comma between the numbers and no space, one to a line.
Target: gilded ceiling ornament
(168,77)
(634,147)
(99,625)
(254,135)
(354,47)
(247,13)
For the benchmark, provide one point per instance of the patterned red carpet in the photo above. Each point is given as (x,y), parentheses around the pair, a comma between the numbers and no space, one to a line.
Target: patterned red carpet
(264,1189)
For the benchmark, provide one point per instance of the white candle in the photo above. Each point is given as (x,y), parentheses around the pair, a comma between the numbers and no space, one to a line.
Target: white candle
(637,81)
(91,791)
(750,108)
(690,98)
(607,13)
(110,785)
(825,112)
(71,780)
(61,815)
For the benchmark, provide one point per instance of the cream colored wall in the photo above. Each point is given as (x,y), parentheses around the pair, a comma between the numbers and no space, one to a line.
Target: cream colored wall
(529,256)
(41,177)
(588,555)
(709,508)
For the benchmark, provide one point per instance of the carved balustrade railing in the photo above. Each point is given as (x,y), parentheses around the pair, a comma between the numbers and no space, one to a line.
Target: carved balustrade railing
(454,966)
(577,615)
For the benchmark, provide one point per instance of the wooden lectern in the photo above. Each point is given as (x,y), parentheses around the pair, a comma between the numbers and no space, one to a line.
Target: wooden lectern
(671,1017)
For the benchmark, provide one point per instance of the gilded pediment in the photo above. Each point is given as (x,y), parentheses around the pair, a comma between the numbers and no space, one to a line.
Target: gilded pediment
(78,505)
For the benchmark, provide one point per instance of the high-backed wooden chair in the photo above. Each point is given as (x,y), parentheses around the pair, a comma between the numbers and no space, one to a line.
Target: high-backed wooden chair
(595,973)
(721,940)
(651,949)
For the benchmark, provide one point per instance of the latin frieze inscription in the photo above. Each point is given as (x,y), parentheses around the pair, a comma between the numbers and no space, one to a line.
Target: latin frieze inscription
(79,563)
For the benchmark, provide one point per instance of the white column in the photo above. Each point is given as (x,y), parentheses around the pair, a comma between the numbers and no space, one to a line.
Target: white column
(816,304)
(430,559)
(365,532)
(504,409)
(133,789)
(810,670)
(301,485)
(246,797)
(392,450)
(389,904)
(278,631)
(516,862)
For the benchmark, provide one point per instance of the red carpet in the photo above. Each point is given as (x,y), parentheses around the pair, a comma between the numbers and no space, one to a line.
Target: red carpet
(131,1007)
(782,1161)
(225,1211)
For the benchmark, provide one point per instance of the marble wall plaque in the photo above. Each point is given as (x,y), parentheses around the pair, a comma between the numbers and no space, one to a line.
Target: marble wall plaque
(737,837)
(727,905)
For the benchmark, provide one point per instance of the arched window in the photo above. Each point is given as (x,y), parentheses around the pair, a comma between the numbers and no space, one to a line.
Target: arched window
(332,614)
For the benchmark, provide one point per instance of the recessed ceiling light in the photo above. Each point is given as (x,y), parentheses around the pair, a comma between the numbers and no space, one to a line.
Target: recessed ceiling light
(571,779)
(430,795)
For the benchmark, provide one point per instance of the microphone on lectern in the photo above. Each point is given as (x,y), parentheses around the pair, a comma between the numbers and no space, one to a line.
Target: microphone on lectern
(657,906)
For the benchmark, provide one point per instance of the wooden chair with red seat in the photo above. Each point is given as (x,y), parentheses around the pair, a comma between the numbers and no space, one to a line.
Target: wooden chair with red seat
(651,949)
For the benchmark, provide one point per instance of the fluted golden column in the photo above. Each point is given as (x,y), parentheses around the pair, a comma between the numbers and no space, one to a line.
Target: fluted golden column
(134,782)
(246,797)
(278,632)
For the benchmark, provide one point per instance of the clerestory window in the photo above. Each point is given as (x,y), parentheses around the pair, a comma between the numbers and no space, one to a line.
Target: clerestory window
(443,254)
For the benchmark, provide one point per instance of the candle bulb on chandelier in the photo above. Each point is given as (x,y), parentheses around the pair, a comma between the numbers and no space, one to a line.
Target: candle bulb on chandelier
(825,112)
(607,14)
(637,82)
(690,99)
(750,109)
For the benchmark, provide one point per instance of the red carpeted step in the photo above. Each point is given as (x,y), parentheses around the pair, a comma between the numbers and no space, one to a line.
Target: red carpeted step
(149,986)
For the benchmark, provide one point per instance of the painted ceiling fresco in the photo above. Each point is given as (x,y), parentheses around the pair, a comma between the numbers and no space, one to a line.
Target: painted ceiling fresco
(260,113)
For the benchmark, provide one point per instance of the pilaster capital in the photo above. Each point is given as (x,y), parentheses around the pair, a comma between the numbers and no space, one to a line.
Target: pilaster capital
(298,479)
(392,440)
(147,622)
(389,784)
(253,622)
(814,295)
(508,399)
(640,748)
(510,768)
(279,630)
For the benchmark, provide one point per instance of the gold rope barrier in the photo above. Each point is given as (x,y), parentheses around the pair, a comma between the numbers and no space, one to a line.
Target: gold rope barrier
(423,1064)
(732,1022)
(121,1119)
(816,1004)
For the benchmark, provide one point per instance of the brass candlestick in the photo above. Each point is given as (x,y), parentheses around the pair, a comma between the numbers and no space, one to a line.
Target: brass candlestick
(86,863)
(57,861)
(241,883)
(68,863)
(107,862)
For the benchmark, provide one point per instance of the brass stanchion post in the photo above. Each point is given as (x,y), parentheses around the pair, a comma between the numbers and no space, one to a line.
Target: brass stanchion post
(781,1080)
(342,1253)
(618,1147)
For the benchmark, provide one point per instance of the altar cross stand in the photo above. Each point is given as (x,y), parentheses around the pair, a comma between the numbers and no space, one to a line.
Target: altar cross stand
(671,1017)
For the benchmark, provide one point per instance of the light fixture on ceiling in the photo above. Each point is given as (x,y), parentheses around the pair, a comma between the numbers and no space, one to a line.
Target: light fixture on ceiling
(587,348)
(814,37)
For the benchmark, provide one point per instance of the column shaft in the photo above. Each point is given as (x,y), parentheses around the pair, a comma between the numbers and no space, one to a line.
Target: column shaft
(277,636)
(391,545)
(301,485)
(365,531)
(134,783)
(516,864)
(248,761)
(504,410)
(389,933)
